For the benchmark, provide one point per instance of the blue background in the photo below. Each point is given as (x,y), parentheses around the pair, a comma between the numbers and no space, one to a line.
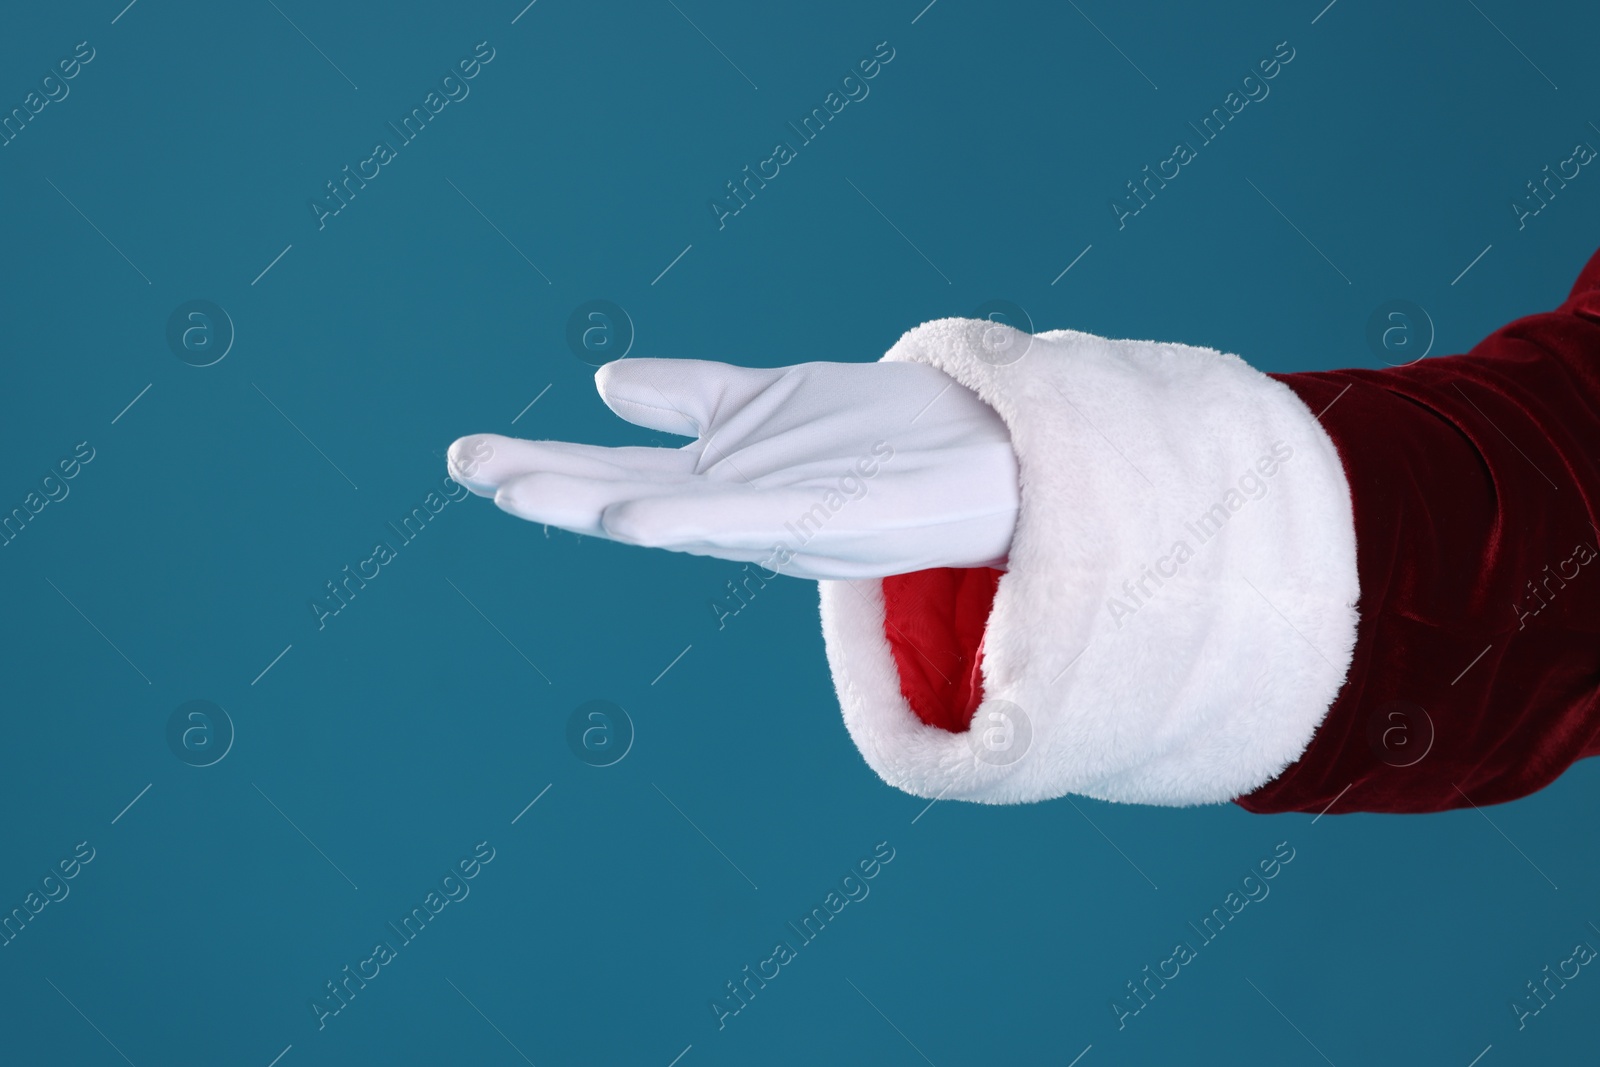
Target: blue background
(416,723)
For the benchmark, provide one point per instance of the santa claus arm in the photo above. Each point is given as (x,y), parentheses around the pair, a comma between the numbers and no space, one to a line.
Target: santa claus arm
(1352,590)
(1146,572)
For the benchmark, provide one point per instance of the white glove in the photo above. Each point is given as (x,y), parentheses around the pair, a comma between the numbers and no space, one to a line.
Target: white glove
(820,470)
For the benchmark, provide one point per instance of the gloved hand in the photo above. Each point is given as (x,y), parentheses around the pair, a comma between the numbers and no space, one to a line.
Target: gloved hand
(820,470)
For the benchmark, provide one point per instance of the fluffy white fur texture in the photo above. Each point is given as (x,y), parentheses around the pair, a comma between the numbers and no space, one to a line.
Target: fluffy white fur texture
(1210,685)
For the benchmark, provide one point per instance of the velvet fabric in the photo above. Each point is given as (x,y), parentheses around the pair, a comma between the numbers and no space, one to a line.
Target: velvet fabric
(934,621)
(1475,482)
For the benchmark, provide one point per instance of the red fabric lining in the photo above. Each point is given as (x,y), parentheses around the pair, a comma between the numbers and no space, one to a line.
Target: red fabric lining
(934,621)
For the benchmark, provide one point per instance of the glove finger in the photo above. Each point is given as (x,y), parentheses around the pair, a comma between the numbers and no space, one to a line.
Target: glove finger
(704,519)
(570,502)
(681,396)
(722,517)
(484,462)
(771,561)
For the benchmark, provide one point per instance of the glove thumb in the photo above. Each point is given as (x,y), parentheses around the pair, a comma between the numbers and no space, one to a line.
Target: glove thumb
(681,396)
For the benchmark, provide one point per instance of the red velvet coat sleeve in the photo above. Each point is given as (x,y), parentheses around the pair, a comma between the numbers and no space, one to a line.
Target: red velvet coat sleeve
(1474,482)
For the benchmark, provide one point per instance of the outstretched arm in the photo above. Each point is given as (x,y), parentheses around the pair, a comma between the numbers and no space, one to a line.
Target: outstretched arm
(1147,572)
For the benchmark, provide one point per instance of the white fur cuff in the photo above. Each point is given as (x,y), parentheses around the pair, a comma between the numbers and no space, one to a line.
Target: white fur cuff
(1179,608)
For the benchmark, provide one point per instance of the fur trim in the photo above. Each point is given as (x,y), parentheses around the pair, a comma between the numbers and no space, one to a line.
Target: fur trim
(1175,621)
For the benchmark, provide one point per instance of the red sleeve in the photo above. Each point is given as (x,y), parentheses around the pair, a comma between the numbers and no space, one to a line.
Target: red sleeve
(1475,482)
